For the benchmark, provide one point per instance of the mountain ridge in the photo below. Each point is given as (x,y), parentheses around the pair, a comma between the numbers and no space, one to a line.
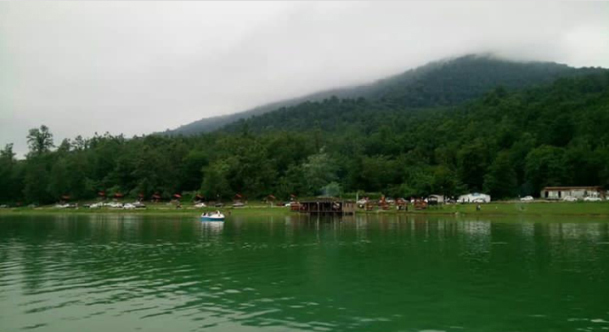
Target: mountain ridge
(444,82)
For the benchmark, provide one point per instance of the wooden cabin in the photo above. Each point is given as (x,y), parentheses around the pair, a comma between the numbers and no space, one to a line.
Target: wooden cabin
(401,204)
(369,206)
(328,206)
(295,206)
(420,204)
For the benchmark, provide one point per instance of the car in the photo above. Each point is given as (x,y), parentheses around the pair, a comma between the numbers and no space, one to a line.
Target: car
(139,205)
(288,204)
(593,199)
(96,205)
(569,199)
(362,201)
(128,206)
(65,206)
(200,205)
(526,198)
(238,205)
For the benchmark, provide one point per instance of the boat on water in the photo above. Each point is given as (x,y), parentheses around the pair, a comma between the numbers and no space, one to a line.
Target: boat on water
(212,216)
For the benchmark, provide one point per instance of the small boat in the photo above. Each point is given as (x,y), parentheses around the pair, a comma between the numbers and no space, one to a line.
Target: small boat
(212,216)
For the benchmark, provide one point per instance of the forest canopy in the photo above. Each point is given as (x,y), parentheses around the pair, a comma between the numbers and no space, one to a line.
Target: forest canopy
(506,143)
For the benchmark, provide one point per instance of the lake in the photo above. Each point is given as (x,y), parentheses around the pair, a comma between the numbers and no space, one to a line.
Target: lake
(99,273)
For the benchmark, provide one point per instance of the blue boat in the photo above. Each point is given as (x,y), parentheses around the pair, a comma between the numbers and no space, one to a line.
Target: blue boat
(212,216)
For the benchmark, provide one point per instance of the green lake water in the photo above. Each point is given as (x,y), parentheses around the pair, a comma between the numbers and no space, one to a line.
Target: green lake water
(97,273)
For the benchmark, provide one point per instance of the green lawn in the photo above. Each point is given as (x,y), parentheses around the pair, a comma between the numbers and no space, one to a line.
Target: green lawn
(521,208)
(259,209)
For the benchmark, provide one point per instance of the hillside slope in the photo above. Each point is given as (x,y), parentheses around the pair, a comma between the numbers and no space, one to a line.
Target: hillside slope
(440,83)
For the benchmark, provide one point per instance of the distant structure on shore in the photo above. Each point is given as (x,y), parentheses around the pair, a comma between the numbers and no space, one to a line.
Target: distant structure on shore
(474,198)
(575,192)
(327,205)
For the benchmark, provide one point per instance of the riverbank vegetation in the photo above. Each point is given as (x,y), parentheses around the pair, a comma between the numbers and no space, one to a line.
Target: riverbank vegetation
(592,209)
(507,143)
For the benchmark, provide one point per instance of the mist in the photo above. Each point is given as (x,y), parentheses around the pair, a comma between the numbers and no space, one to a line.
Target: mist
(142,67)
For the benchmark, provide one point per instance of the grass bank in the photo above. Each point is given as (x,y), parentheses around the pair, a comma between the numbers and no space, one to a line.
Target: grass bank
(523,208)
(495,208)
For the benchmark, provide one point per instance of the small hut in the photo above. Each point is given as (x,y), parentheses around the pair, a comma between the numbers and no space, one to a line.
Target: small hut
(420,204)
(383,204)
(295,206)
(176,200)
(401,204)
(326,205)
(271,199)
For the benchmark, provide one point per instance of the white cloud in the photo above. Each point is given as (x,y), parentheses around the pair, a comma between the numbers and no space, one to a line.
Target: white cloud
(139,67)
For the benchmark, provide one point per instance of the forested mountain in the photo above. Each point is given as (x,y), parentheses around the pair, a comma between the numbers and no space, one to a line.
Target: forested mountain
(505,143)
(440,83)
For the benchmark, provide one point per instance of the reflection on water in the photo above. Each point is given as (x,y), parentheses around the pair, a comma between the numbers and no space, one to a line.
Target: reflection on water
(296,273)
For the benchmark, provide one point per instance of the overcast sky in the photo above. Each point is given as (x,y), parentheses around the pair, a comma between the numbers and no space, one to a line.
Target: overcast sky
(141,67)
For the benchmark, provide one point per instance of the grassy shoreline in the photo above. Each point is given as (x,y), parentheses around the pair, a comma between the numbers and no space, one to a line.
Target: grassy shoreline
(495,208)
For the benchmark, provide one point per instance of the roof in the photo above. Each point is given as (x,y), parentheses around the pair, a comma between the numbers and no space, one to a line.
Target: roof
(574,187)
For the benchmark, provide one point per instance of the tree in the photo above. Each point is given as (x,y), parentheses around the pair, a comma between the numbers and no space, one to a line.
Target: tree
(36,180)
(7,153)
(40,140)
(59,183)
(378,173)
(215,182)
(500,181)
(7,173)
(319,170)
(473,161)
(332,189)
(546,166)
(191,170)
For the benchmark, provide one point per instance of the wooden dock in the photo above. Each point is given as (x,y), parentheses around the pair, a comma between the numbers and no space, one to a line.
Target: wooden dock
(329,206)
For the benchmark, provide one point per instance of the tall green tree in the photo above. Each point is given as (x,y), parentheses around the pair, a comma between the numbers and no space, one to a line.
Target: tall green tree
(500,181)
(40,140)
(546,166)
(319,170)
(215,183)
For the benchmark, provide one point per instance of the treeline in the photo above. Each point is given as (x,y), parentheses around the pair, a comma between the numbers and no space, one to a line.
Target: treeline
(504,143)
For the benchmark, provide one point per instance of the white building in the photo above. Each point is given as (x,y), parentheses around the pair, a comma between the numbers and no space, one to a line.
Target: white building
(575,192)
(474,198)
(437,198)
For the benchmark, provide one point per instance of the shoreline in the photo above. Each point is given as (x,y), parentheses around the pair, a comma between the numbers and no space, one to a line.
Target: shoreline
(584,209)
